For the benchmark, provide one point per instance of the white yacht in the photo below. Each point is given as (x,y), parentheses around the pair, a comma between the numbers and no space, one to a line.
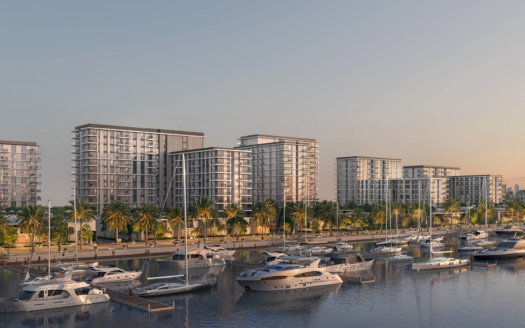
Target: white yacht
(54,295)
(108,275)
(436,243)
(296,273)
(386,249)
(401,258)
(343,246)
(197,258)
(474,234)
(219,250)
(439,263)
(272,258)
(38,281)
(470,248)
(346,262)
(171,288)
(289,248)
(318,250)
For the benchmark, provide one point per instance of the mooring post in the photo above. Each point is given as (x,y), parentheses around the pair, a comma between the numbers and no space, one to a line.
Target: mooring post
(149,308)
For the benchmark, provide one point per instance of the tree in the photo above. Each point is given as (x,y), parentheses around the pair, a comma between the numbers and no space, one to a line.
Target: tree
(232,210)
(514,207)
(84,213)
(298,212)
(329,214)
(60,230)
(8,236)
(216,226)
(176,219)
(358,219)
(236,226)
(32,217)
(398,209)
(415,212)
(379,214)
(351,205)
(263,212)
(116,216)
(145,219)
(451,206)
(85,233)
(204,209)
(406,222)
(487,208)
(3,223)
(316,226)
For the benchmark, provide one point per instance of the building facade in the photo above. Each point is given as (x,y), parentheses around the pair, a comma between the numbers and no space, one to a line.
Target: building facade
(19,173)
(414,186)
(471,188)
(283,167)
(222,174)
(364,180)
(117,162)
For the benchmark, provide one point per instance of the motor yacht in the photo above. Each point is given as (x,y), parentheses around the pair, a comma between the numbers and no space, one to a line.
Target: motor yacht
(171,288)
(386,250)
(505,249)
(470,248)
(219,250)
(509,231)
(197,258)
(436,243)
(272,258)
(439,263)
(474,234)
(341,262)
(38,280)
(289,248)
(64,293)
(343,247)
(108,275)
(295,273)
(318,250)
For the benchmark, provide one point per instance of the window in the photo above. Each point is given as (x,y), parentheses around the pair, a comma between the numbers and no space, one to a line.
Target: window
(27,295)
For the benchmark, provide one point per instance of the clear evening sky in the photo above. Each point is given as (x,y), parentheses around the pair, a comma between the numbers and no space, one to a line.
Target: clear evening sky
(431,82)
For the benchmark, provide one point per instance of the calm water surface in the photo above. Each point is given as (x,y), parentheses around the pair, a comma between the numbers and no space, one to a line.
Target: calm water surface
(399,298)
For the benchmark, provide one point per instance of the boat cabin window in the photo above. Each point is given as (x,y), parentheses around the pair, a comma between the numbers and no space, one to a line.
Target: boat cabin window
(506,244)
(26,296)
(100,274)
(339,260)
(41,294)
(195,256)
(178,257)
(272,258)
(308,274)
(57,293)
(291,267)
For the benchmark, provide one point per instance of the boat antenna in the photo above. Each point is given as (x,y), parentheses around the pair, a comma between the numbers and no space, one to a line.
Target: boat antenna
(49,241)
(185,218)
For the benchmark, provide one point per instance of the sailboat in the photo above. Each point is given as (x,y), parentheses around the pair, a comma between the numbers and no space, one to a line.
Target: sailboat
(387,247)
(486,243)
(437,262)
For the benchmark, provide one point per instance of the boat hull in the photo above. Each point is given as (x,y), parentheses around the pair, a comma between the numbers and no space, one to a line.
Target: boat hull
(254,284)
(170,264)
(7,306)
(499,256)
(348,267)
(440,265)
(508,233)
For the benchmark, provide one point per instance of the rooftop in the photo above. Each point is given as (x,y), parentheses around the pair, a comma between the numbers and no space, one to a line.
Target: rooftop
(368,157)
(432,167)
(23,143)
(270,136)
(127,128)
(207,149)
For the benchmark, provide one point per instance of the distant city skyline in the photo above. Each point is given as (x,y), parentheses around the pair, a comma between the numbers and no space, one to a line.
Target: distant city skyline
(432,83)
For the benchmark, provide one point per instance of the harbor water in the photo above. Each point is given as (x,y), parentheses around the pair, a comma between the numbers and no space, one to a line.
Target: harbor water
(400,297)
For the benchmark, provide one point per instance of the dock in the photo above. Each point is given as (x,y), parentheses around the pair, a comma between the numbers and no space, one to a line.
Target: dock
(22,269)
(137,302)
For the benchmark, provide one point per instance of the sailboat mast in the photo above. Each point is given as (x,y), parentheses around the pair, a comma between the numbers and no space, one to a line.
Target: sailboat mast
(284,213)
(418,210)
(430,203)
(185,218)
(486,209)
(49,241)
(75,213)
(305,190)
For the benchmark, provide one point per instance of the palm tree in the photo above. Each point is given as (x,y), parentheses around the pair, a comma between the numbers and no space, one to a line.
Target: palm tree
(415,212)
(3,223)
(84,213)
(329,213)
(176,218)
(263,212)
(514,207)
(398,209)
(490,210)
(379,214)
(452,206)
(145,219)
(232,210)
(204,210)
(298,212)
(358,219)
(116,216)
(32,216)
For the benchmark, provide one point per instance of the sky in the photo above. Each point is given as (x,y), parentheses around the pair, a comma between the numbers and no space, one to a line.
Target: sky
(430,82)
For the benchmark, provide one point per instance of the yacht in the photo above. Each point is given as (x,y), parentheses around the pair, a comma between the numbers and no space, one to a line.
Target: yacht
(386,250)
(343,247)
(296,273)
(272,258)
(54,295)
(318,250)
(509,231)
(197,258)
(171,288)
(218,250)
(346,262)
(505,249)
(487,243)
(474,234)
(37,281)
(470,248)
(436,242)
(289,248)
(108,275)
(400,258)
(439,263)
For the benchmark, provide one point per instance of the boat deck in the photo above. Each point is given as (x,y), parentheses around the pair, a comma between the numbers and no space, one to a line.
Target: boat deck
(357,280)
(137,302)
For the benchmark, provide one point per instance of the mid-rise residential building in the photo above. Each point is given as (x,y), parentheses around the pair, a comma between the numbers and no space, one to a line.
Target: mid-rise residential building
(283,167)
(520,195)
(465,188)
(117,162)
(364,179)
(222,174)
(414,186)
(19,173)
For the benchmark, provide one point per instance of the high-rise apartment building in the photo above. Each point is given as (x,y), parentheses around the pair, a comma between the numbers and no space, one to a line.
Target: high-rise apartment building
(414,186)
(19,173)
(465,188)
(222,174)
(283,167)
(364,179)
(126,163)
